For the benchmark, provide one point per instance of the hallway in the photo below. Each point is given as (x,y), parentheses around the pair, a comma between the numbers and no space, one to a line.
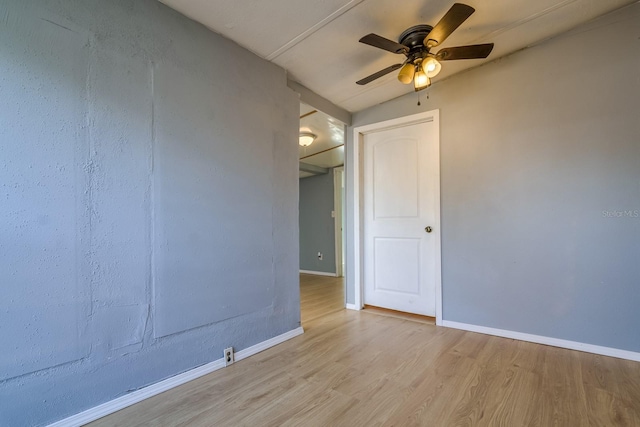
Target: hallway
(319,296)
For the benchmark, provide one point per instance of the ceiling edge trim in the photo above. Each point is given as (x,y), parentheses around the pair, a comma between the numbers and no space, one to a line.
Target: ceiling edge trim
(316,101)
(300,37)
(494,33)
(316,170)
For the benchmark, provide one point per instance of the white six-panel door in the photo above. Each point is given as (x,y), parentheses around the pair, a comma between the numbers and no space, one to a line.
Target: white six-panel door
(401,168)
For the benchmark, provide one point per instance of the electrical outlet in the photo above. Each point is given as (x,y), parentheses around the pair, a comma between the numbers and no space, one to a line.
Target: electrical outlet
(320,256)
(229,356)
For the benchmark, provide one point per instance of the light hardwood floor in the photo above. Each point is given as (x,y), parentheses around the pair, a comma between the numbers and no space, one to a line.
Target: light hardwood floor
(319,296)
(361,369)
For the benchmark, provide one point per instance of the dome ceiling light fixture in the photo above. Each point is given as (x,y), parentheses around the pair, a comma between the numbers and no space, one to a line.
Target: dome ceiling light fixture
(306,139)
(416,43)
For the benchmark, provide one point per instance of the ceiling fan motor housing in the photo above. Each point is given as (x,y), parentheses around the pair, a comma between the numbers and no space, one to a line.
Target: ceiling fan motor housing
(413,38)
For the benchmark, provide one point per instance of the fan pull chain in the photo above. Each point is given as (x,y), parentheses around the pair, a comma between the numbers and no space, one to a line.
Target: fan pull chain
(419,97)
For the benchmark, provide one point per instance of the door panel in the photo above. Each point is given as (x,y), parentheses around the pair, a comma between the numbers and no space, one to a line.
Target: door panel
(395,178)
(400,190)
(391,258)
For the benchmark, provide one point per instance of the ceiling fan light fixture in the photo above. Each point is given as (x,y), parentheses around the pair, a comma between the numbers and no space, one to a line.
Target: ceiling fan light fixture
(421,80)
(416,42)
(406,73)
(306,138)
(431,66)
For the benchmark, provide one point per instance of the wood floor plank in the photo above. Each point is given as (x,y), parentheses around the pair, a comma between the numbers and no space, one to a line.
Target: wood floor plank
(359,369)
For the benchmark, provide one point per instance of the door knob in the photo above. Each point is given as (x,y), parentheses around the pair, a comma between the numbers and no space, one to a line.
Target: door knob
(428,229)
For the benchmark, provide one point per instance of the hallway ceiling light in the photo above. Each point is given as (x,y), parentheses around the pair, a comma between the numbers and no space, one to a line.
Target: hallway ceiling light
(306,139)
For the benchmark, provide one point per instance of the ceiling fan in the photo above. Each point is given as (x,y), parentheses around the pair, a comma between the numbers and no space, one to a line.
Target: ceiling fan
(416,43)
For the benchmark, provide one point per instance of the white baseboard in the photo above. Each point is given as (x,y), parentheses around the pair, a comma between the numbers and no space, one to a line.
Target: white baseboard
(352,307)
(318,273)
(139,395)
(254,349)
(538,339)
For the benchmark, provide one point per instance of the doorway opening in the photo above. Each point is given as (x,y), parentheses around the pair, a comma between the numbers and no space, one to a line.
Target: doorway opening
(321,212)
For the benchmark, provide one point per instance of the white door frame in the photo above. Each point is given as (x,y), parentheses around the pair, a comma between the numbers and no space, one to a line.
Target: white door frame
(355,163)
(338,173)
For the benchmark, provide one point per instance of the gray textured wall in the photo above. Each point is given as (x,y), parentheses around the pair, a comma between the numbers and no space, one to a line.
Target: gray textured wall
(540,189)
(148,201)
(317,232)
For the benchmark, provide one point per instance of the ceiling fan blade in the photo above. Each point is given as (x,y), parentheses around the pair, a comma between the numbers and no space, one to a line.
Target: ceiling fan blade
(450,21)
(475,51)
(379,74)
(382,43)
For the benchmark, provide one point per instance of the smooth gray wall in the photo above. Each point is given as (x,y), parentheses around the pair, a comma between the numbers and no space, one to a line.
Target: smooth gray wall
(148,202)
(317,232)
(540,186)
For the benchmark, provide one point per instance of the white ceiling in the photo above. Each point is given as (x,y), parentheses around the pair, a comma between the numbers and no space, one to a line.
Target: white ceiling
(317,41)
(327,150)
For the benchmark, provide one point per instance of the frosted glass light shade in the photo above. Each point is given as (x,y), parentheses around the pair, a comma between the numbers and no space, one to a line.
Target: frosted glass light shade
(306,139)
(420,80)
(406,73)
(431,67)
